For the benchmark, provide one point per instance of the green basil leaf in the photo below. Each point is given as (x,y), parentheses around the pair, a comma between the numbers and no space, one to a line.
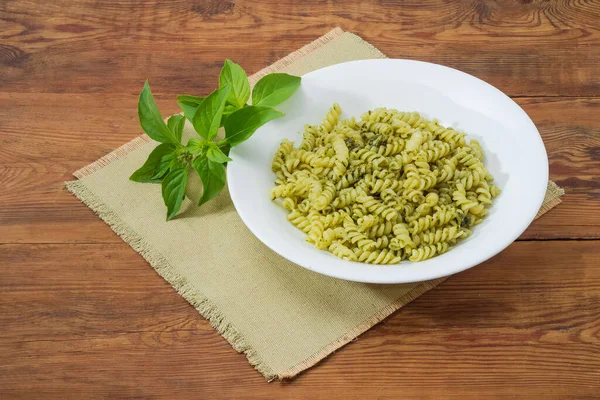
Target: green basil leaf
(196,145)
(212,175)
(178,162)
(215,154)
(189,105)
(150,167)
(173,190)
(166,162)
(235,76)
(229,109)
(150,119)
(207,118)
(225,148)
(175,124)
(240,125)
(274,89)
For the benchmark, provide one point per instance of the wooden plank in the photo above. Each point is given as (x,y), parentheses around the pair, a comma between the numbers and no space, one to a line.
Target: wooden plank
(68,131)
(569,128)
(103,47)
(525,323)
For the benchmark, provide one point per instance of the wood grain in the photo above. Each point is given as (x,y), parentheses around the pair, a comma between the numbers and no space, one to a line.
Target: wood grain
(83,316)
(526,321)
(571,134)
(90,46)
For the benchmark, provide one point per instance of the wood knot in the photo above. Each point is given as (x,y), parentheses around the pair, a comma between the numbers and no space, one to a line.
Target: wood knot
(12,56)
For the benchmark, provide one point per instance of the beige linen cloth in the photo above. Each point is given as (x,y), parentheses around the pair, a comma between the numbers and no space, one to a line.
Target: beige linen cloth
(283,317)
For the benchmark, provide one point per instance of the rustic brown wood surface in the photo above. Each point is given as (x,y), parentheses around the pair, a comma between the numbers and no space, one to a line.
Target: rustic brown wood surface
(83,316)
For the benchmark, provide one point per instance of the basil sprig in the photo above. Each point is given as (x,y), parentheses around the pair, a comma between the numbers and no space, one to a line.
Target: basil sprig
(171,161)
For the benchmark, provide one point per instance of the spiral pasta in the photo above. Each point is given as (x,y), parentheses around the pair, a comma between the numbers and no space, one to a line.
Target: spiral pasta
(389,186)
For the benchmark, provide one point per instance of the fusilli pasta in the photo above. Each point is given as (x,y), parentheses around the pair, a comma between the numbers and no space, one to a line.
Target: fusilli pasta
(390,186)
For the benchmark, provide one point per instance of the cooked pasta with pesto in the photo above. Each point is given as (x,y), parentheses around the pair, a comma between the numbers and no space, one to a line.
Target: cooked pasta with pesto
(390,186)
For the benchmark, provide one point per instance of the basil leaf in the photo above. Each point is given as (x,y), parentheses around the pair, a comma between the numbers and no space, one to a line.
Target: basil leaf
(233,75)
(196,145)
(189,105)
(240,125)
(178,162)
(274,89)
(207,118)
(146,172)
(212,175)
(215,154)
(225,148)
(229,109)
(165,163)
(173,190)
(175,123)
(150,119)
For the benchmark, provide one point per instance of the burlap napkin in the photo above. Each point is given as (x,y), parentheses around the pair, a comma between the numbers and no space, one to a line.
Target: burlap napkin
(283,317)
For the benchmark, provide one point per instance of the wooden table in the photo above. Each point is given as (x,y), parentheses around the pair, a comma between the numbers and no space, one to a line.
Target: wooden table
(82,315)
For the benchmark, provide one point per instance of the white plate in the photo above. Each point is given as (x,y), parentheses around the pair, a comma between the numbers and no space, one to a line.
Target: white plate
(514,151)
